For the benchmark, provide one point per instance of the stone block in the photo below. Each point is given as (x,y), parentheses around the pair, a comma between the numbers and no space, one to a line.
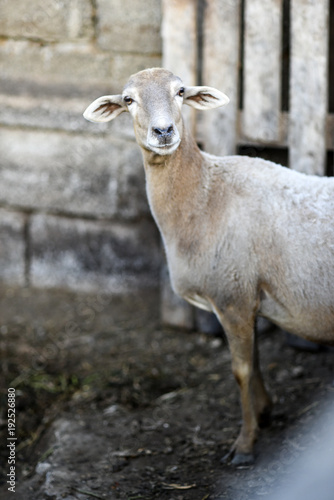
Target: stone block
(12,247)
(69,64)
(50,111)
(74,174)
(49,20)
(129,26)
(93,255)
(63,62)
(125,65)
(132,198)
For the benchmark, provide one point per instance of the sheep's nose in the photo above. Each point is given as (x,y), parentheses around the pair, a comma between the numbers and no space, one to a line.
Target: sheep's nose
(163,132)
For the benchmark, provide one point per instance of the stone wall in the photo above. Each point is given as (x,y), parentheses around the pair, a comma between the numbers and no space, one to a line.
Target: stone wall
(73,210)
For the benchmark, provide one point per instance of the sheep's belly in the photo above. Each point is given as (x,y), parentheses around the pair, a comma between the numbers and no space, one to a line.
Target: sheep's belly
(315,324)
(273,310)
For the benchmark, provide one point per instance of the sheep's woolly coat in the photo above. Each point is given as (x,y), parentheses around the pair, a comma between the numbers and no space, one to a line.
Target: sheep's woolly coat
(257,233)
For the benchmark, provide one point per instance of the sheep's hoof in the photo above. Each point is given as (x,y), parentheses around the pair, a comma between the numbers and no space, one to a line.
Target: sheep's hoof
(242,459)
(238,459)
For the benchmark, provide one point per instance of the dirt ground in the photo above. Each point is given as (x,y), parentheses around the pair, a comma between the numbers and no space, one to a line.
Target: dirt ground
(109,405)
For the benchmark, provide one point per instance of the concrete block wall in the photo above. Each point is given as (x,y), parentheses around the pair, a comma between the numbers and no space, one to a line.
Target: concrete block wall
(73,210)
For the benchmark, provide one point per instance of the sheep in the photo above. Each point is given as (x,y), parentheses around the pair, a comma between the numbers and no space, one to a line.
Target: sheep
(243,236)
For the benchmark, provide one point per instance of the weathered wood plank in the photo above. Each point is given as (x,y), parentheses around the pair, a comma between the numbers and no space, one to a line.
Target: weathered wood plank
(330,132)
(179,42)
(284,140)
(262,69)
(220,69)
(308,85)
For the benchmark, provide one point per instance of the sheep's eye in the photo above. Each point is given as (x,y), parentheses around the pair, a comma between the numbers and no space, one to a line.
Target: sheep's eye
(181,92)
(128,100)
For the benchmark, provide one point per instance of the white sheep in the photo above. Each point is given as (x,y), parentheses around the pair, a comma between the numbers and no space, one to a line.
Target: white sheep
(243,236)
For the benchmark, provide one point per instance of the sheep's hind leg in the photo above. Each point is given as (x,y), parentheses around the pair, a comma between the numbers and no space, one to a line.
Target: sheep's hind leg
(262,401)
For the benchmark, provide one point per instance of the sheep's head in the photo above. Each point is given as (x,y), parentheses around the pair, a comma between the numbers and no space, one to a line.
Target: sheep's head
(154,98)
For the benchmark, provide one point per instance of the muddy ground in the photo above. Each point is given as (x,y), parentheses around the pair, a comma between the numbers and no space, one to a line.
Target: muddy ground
(109,405)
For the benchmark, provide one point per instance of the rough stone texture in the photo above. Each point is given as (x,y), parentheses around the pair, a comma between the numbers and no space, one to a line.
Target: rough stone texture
(63,62)
(71,174)
(93,255)
(56,111)
(67,63)
(114,17)
(56,57)
(131,191)
(51,20)
(12,247)
(124,65)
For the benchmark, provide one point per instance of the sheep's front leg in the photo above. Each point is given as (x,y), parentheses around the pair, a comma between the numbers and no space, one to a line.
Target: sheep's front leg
(242,367)
(254,398)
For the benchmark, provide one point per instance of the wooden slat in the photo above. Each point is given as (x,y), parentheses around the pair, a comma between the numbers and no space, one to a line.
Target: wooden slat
(308,85)
(284,139)
(330,132)
(220,69)
(262,69)
(179,38)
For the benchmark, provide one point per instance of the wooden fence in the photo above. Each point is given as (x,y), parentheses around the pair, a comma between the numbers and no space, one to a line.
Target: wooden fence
(273,58)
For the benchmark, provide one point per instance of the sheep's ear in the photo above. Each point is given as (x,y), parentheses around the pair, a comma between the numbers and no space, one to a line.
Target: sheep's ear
(204,97)
(105,108)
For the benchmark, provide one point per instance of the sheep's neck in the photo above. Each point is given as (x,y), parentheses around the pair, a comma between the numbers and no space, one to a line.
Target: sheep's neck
(174,187)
